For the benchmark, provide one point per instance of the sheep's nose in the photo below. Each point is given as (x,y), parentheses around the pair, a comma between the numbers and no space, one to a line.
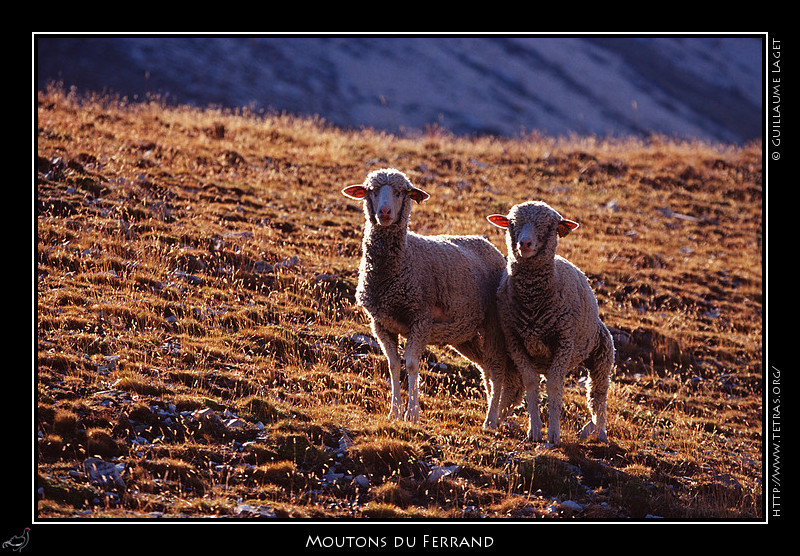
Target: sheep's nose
(525,247)
(385,216)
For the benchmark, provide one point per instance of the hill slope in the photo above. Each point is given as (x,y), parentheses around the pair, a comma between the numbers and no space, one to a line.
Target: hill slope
(197,339)
(708,87)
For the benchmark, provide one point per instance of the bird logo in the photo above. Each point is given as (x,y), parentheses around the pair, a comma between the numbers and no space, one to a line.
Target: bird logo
(18,542)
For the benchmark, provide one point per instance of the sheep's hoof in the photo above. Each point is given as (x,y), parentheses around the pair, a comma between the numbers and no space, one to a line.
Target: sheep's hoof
(553,439)
(411,416)
(394,413)
(535,436)
(489,425)
(587,431)
(590,430)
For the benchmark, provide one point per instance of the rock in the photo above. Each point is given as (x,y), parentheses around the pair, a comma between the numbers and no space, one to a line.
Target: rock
(472,512)
(263,267)
(235,424)
(210,422)
(332,477)
(206,414)
(694,383)
(248,510)
(288,263)
(438,472)
(622,338)
(729,481)
(103,473)
(190,278)
(361,480)
(360,343)
(572,505)
(111,362)
(345,443)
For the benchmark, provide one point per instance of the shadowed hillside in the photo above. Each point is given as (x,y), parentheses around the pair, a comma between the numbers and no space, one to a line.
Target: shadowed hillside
(708,87)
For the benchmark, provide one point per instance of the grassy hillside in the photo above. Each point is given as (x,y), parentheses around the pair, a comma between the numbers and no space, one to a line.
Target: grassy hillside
(197,336)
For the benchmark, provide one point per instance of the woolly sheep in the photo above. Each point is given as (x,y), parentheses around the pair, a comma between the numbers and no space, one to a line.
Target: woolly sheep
(550,318)
(429,289)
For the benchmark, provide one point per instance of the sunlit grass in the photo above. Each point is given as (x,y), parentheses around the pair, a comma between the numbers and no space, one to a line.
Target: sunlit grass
(192,260)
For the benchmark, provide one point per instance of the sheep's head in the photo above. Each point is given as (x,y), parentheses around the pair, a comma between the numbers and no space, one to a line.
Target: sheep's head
(533,229)
(385,194)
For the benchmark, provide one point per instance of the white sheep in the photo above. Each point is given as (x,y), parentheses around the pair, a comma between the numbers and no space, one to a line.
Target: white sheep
(429,289)
(550,318)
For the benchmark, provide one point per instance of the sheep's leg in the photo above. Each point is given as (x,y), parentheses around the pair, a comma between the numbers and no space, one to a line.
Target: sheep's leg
(492,385)
(596,395)
(389,346)
(512,390)
(555,396)
(412,368)
(494,391)
(396,409)
(530,380)
(415,345)
(555,392)
(521,362)
(597,389)
(493,375)
(494,370)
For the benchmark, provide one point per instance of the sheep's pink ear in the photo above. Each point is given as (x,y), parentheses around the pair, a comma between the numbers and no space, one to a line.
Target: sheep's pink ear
(418,194)
(355,191)
(498,220)
(566,226)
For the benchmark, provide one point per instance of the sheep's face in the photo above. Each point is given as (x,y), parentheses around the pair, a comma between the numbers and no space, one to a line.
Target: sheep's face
(385,193)
(533,229)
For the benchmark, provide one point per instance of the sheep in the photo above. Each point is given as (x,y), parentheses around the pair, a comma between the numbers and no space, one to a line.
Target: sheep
(550,319)
(431,290)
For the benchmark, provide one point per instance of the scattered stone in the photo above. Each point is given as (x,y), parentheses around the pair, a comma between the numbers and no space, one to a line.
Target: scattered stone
(248,510)
(572,505)
(345,443)
(360,343)
(190,278)
(694,382)
(472,512)
(729,481)
(438,472)
(103,473)
(263,267)
(331,477)
(111,362)
(669,213)
(206,414)
(288,263)
(235,424)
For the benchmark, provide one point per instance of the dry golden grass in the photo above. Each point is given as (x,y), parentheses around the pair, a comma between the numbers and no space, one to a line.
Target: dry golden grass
(202,259)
